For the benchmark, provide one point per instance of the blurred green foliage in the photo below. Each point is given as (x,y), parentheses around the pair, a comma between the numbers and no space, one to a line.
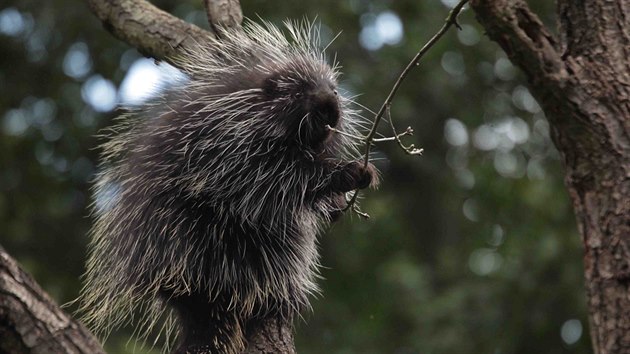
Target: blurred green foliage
(471,248)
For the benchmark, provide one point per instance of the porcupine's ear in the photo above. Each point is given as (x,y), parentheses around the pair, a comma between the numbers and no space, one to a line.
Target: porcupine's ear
(270,85)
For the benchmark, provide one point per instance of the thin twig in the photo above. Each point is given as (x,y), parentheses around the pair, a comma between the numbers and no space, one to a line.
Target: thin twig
(411,149)
(409,132)
(451,20)
(396,137)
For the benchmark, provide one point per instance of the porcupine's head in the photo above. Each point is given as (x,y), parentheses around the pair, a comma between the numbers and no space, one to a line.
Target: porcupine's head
(306,106)
(281,85)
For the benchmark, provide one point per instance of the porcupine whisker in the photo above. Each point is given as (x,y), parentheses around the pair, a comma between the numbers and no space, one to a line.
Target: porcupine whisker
(352,101)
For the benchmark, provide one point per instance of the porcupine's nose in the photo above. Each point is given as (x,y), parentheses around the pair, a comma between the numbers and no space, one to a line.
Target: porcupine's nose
(326,104)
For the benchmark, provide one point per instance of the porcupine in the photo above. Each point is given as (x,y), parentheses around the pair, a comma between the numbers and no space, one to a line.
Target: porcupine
(218,189)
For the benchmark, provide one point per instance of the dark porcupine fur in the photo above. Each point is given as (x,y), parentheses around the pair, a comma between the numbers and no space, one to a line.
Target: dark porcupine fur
(218,189)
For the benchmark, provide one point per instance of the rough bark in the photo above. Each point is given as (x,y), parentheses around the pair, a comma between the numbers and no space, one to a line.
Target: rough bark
(30,321)
(272,337)
(583,83)
(153,32)
(226,13)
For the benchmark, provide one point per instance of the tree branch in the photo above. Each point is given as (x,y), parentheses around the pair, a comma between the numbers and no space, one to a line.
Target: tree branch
(450,20)
(153,32)
(523,37)
(30,322)
(565,83)
(224,13)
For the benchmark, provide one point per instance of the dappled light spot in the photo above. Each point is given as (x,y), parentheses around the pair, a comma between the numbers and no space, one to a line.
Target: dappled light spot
(389,27)
(36,44)
(470,209)
(145,80)
(77,62)
(44,153)
(523,99)
(52,131)
(502,135)
(43,111)
(12,23)
(516,130)
(453,63)
(485,138)
(484,261)
(449,3)
(468,35)
(571,331)
(14,122)
(504,70)
(509,164)
(497,237)
(99,93)
(455,132)
(542,128)
(384,28)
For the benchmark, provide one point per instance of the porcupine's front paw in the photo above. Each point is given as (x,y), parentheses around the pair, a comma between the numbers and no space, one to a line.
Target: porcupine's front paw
(358,176)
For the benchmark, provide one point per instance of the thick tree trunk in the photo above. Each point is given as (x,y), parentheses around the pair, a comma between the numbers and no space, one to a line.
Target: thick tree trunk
(30,322)
(583,83)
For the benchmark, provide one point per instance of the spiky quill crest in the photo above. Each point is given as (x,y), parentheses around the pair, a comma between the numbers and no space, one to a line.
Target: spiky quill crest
(209,188)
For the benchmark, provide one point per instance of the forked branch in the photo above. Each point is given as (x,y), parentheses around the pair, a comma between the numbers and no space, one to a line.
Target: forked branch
(385,109)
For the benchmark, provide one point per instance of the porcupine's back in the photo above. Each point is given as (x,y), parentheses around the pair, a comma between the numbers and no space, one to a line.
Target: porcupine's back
(200,190)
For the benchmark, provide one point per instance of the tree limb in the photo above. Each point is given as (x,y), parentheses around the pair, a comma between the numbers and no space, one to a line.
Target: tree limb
(564,73)
(30,321)
(155,33)
(225,13)
(523,37)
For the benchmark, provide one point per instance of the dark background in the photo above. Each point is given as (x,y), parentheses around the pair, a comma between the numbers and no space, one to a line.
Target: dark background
(471,248)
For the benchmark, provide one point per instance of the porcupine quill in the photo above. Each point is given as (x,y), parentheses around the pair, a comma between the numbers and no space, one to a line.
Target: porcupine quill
(220,188)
